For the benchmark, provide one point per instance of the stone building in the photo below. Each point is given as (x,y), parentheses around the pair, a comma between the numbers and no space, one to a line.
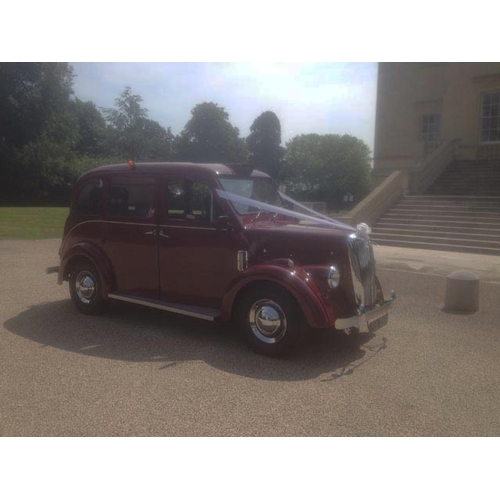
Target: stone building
(423,105)
(436,175)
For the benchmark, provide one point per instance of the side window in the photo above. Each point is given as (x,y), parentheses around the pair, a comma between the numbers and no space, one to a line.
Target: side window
(190,200)
(202,205)
(177,201)
(132,197)
(89,199)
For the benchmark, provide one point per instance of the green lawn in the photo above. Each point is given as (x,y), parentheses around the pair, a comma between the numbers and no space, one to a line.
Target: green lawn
(24,223)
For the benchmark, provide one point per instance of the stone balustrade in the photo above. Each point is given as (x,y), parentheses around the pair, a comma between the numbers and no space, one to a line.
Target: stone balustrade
(416,179)
(379,200)
(425,173)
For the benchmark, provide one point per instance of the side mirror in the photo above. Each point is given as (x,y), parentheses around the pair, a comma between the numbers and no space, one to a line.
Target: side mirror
(223,223)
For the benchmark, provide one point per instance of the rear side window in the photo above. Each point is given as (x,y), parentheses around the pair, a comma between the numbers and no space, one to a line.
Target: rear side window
(89,199)
(132,197)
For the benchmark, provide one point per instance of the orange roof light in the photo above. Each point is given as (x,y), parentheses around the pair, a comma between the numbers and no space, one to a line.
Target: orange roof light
(131,164)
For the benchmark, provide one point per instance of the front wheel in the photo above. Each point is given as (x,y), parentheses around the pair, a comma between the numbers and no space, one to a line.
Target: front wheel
(85,288)
(271,320)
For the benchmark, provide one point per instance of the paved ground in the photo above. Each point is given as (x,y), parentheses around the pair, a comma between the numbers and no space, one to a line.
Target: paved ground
(136,371)
(438,263)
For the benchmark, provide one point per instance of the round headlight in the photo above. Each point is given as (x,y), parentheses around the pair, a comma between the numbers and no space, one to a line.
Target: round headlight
(333,277)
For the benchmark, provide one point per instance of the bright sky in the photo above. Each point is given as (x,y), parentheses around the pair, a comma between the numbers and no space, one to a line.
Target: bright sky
(321,98)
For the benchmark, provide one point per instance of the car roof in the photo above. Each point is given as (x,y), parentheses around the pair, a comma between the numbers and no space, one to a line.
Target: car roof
(218,169)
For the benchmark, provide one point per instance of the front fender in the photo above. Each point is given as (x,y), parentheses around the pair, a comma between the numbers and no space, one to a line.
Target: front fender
(293,279)
(96,256)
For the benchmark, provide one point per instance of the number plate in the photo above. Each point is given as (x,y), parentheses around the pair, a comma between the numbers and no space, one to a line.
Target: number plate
(378,323)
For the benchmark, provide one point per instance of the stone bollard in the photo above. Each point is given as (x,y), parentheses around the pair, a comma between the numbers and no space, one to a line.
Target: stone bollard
(462,292)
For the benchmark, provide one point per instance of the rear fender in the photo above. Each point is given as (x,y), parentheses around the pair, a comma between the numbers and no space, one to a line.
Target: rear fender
(96,256)
(293,279)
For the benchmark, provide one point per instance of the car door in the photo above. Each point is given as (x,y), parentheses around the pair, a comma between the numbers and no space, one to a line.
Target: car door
(197,261)
(131,241)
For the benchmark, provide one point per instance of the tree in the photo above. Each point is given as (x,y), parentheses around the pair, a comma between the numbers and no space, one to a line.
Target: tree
(31,93)
(132,134)
(209,137)
(91,128)
(129,111)
(125,120)
(158,142)
(327,167)
(264,144)
(37,128)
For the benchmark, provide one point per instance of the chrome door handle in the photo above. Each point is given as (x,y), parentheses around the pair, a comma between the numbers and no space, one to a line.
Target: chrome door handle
(161,233)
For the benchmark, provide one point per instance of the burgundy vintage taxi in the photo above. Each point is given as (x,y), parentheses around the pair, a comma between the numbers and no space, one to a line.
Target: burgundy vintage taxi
(217,242)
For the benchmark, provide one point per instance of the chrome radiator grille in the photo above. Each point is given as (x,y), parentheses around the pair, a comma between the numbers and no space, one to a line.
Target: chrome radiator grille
(363,265)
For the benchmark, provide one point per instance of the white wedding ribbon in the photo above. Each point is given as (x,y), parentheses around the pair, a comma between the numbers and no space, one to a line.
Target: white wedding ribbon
(248,202)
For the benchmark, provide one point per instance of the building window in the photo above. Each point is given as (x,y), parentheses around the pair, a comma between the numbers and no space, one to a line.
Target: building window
(431,128)
(490,117)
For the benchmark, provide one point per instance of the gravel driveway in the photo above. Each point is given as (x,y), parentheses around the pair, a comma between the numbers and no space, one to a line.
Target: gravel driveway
(142,372)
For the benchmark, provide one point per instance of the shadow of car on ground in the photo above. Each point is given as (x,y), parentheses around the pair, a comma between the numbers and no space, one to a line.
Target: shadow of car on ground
(135,333)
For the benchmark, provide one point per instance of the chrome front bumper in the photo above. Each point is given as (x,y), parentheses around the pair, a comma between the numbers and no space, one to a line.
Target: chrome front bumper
(368,320)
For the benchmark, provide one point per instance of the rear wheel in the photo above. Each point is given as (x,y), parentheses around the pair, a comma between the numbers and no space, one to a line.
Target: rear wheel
(85,288)
(271,320)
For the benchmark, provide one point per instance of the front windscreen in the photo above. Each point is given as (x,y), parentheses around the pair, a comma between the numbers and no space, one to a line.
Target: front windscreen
(255,188)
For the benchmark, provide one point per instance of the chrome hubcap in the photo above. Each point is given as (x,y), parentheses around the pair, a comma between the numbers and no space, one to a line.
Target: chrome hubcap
(267,321)
(85,285)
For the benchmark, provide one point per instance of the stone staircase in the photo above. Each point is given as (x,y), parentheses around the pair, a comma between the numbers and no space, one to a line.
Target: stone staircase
(460,212)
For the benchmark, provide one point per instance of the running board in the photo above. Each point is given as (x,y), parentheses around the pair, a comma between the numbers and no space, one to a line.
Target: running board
(206,313)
